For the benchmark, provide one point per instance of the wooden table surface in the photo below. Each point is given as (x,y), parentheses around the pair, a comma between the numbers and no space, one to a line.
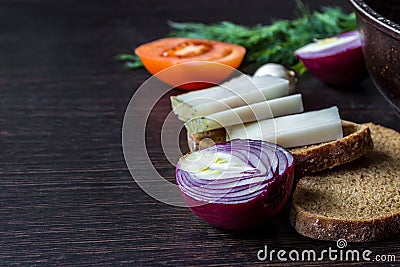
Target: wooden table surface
(66,195)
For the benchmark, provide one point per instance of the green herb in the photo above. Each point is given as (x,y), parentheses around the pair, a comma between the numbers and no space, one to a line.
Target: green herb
(273,43)
(131,61)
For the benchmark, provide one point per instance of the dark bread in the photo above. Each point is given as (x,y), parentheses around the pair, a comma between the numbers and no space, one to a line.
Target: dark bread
(359,201)
(206,139)
(356,142)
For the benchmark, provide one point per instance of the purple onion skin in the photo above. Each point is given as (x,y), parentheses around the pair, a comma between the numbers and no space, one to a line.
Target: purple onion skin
(341,65)
(343,68)
(246,215)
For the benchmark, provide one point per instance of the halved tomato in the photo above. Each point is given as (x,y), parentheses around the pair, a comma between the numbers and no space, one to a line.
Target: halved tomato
(195,63)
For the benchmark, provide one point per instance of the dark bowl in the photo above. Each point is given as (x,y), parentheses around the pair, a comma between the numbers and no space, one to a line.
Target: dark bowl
(379,26)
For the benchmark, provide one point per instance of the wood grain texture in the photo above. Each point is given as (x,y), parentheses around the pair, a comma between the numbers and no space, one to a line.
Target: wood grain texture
(67,197)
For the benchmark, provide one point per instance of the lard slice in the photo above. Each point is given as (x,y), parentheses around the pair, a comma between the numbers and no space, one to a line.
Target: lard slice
(255,112)
(239,91)
(294,130)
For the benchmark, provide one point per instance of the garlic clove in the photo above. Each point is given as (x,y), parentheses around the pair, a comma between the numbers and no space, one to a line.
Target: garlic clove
(277,70)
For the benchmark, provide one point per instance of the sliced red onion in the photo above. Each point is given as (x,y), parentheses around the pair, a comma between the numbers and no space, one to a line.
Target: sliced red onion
(238,184)
(337,60)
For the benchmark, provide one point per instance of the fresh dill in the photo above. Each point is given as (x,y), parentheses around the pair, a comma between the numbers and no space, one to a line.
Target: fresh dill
(274,43)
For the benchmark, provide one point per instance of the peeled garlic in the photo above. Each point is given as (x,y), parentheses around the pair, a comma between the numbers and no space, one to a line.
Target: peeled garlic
(279,71)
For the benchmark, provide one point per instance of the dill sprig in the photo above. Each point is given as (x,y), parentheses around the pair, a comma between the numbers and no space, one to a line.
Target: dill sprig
(274,43)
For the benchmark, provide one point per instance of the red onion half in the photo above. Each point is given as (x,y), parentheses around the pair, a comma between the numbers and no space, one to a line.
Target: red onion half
(236,185)
(337,60)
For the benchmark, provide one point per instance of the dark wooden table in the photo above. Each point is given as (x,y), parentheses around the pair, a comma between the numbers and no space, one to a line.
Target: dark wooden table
(66,195)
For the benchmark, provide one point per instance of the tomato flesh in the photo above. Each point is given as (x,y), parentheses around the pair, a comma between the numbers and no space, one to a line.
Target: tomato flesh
(198,59)
(187,49)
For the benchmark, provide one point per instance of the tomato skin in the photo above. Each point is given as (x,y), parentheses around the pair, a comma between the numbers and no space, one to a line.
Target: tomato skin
(188,63)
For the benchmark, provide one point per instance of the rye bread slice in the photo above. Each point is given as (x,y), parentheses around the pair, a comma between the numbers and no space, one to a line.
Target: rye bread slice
(356,142)
(359,201)
(308,159)
(206,139)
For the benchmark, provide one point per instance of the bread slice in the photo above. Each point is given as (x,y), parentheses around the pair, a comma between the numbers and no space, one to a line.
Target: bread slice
(359,201)
(308,159)
(356,142)
(206,139)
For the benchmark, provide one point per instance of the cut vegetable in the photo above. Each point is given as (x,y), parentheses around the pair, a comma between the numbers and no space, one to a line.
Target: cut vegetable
(337,60)
(255,112)
(236,185)
(198,63)
(239,91)
(294,130)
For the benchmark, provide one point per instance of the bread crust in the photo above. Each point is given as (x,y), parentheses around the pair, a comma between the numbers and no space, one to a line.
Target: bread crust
(308,159)
(356,142)
(206,139)
(314,222)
